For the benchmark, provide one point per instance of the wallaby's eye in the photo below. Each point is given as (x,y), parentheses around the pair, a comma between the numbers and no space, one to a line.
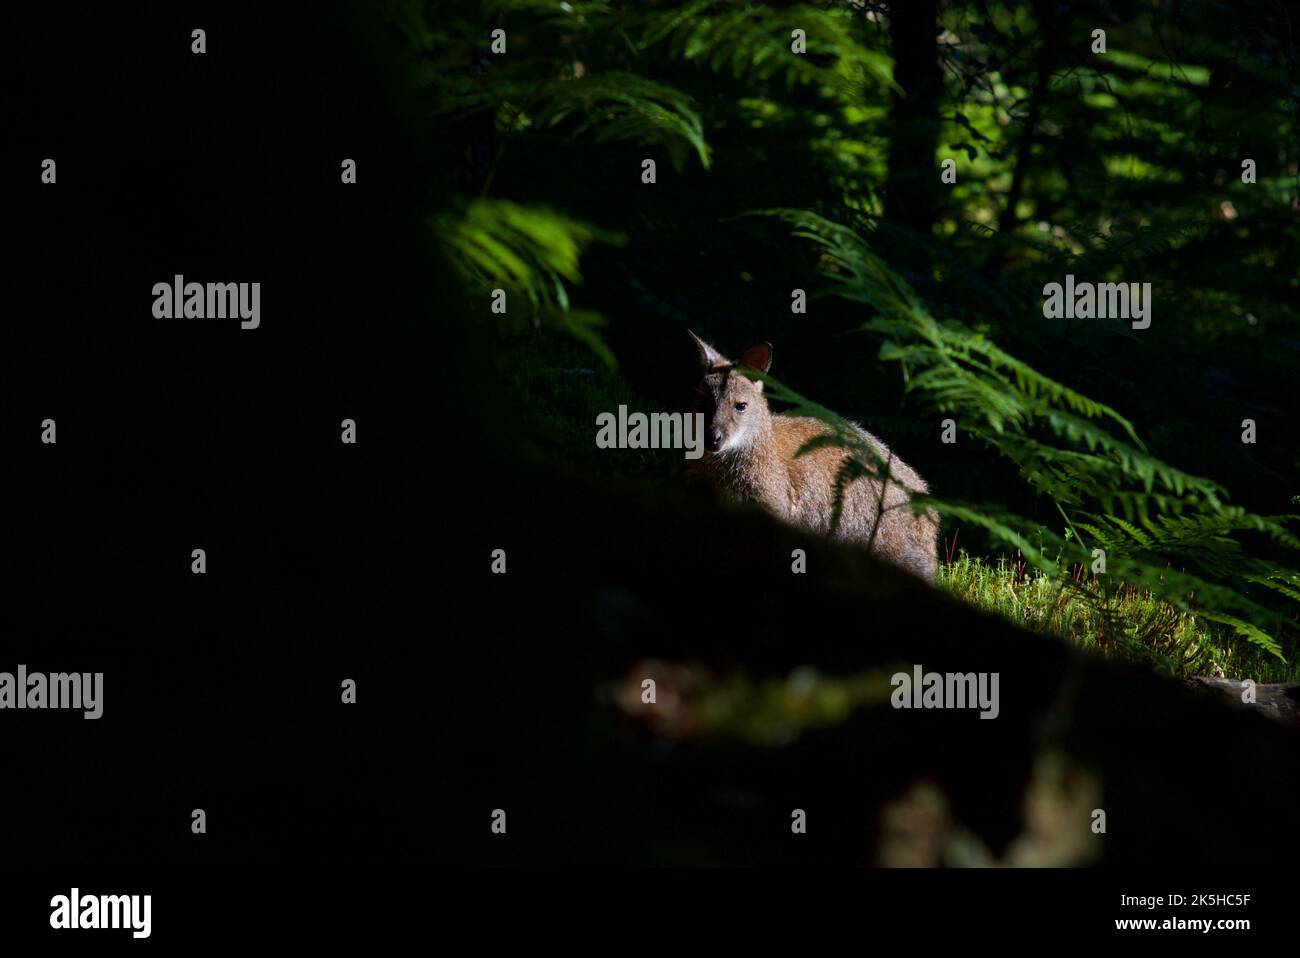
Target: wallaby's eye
(740,406)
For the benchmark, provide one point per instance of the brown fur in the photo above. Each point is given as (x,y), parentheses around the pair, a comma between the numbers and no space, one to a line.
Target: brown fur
(750,456)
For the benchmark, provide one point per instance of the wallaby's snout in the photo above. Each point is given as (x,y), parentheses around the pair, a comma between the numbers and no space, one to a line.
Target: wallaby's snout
(717,402)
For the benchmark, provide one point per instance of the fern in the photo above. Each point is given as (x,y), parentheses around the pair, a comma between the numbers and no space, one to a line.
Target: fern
(530,250)
(752,42)
(1082,455)
(624,106)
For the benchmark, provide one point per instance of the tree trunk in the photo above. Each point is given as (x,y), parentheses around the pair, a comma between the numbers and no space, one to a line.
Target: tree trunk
(912,192)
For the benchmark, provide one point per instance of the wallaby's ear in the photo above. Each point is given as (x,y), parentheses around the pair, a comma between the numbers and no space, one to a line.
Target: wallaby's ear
(757,357)
(709,357)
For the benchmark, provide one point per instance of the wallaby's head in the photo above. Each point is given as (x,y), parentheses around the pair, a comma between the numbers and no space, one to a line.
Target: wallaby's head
(735,410)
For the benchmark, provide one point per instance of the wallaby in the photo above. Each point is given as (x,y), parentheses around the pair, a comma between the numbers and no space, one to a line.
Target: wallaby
(750,456)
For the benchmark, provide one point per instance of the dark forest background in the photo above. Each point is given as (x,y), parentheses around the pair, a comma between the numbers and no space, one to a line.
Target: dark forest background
(1102,140)
(521,171)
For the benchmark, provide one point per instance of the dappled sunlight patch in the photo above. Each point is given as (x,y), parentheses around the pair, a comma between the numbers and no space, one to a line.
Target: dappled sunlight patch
(1063,825)
(687,701)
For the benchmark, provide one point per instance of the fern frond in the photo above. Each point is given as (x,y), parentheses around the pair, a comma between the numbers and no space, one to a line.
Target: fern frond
(1081,454)
(752,42)
(624,106)
(531,250)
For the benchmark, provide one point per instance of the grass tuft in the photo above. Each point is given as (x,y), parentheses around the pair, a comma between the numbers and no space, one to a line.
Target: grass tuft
(1116,621)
